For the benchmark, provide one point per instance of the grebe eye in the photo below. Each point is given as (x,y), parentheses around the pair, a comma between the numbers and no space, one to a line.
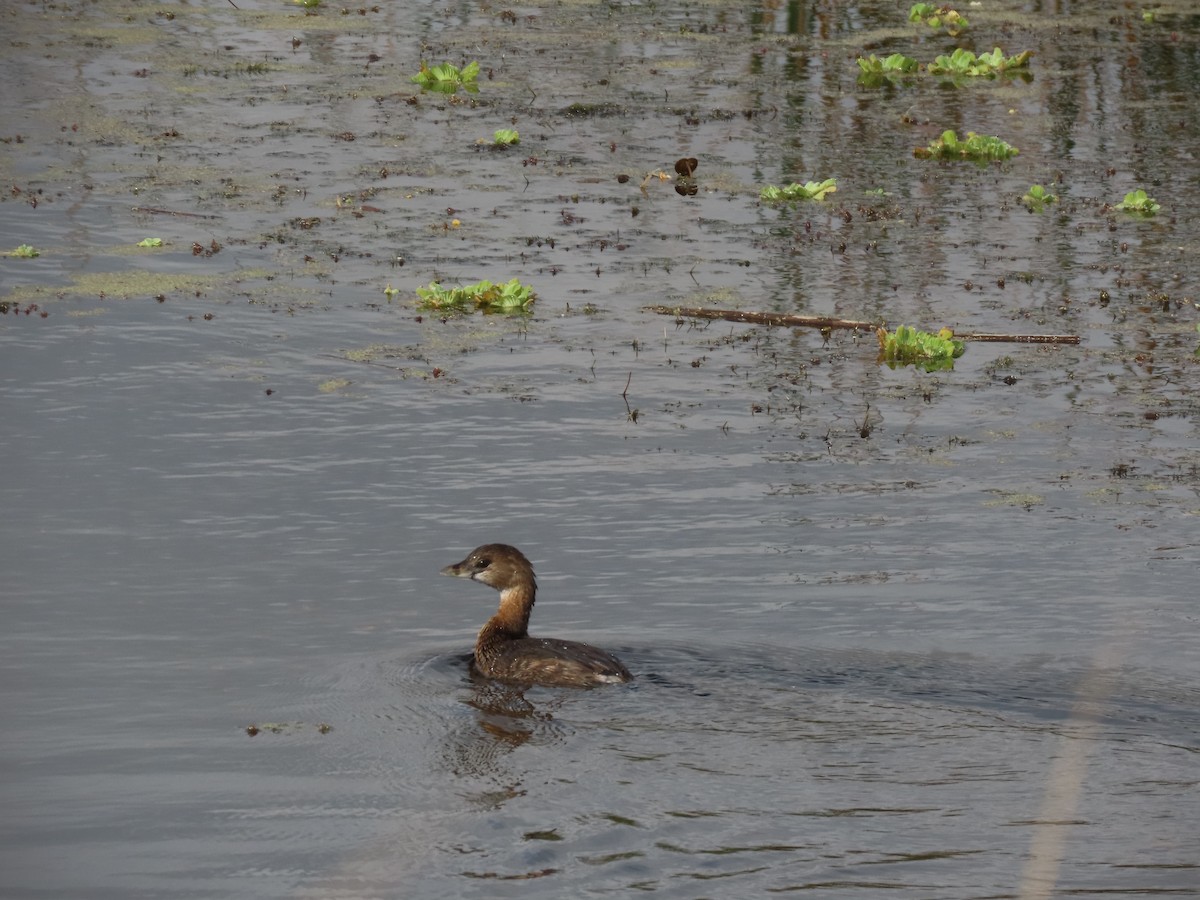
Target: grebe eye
(482,563)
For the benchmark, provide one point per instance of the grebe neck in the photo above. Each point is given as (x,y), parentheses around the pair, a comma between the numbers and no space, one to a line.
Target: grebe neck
(512,618)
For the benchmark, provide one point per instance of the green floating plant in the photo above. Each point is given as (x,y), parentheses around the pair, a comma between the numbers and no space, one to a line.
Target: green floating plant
(507,297)
(25,251)
(448,78)
(1139,204)
(908,346)
(938,16)
(506,137)
(976,147)
(813,190)
(874,70)
(964,62)
(150,242)
(1037,198)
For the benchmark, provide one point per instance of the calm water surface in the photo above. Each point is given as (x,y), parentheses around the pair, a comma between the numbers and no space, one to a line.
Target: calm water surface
(896,633)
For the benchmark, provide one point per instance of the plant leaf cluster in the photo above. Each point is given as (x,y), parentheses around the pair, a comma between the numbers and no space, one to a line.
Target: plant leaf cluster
(448,78)
(938,17)
(1037,198)
(1139,203)
(812,190)
(978,148)
(25,251)
(507,297)
(908,346)
(964,62)
(896,64)
(960,63)
(506,137)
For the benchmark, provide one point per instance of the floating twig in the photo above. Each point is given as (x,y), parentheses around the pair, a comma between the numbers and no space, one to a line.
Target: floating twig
(1022,338)
(153,210)
(761,318)
(789,321)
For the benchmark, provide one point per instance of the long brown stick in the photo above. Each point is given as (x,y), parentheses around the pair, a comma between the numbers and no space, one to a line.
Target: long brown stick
(760,318)
(787,321)
(1022,338)
(153,210)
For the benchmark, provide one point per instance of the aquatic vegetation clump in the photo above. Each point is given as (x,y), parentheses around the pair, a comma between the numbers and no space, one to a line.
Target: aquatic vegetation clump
(25,251)
(150,242)
(448,78)
(874,70)
(1139,203)
(1037,198)
(507,297)
(964,62)
(812,190)
(907,346)
(976,147)
(506,137)
(938,17)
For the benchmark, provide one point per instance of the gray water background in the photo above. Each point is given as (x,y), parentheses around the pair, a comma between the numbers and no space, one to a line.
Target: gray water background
(896,633)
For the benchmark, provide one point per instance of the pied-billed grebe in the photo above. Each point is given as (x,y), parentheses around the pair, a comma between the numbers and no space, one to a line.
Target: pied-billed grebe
(505,651)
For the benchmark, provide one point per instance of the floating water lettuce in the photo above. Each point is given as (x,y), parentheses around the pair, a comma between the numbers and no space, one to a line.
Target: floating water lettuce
(507,297)
(1138,203)
(25,251)
(874,70)
(448,78)
(150,242)
(964,62)
(976,147)
(938,16)
(908,346)
(506,137)
(1037,198)
(813,190)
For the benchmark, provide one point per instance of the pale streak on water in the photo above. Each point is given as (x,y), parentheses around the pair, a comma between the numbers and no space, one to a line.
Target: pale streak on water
(953,658)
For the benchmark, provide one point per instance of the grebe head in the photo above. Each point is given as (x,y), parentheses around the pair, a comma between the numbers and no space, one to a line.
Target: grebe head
(497,565)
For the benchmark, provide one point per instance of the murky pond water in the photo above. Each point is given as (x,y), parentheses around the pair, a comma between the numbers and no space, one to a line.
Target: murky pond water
(924,634)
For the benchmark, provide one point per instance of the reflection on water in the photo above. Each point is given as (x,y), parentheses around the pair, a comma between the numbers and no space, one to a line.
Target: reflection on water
(785,768)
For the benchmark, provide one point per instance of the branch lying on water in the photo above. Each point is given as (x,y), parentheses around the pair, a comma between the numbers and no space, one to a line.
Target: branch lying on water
(153,210)
(786,321)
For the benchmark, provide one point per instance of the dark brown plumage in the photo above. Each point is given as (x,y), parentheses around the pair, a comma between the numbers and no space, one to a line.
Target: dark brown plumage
(504,649)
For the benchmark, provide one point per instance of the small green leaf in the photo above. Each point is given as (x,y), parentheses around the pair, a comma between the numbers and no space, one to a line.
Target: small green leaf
(150,242)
